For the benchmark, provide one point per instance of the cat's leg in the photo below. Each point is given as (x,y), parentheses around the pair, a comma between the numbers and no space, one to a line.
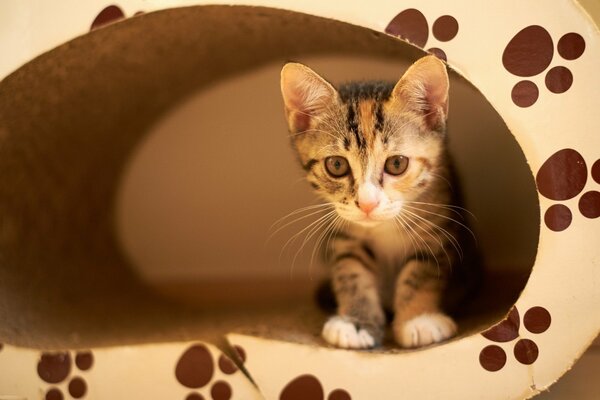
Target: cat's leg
(418,320)
(360,320)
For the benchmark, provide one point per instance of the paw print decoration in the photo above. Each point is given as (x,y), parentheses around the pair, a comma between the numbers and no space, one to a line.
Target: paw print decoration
(563,177)
(109,15)
(536,320)
(530,52)
(308,387)
(411,25)
(55,368)
(195,370)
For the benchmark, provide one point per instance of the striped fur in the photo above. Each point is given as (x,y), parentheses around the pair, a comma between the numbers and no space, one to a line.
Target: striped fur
(401,255)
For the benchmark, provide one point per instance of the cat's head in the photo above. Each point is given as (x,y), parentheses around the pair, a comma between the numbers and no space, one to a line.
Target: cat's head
(369,148)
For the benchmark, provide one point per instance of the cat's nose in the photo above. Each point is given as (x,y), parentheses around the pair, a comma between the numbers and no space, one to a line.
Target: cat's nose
(368,197)
(368,206)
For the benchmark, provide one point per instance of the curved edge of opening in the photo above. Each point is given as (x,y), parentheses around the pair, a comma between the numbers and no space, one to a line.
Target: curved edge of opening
(63,145)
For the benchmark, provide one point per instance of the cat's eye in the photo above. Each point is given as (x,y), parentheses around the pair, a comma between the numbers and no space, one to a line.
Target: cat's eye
(337,166)
(396,165)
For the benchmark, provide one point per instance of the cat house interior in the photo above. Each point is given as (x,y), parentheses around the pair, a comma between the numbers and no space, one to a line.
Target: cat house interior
(143,165)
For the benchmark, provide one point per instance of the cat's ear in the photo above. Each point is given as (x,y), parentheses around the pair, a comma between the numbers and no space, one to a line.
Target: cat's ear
(424,89)
(305,95)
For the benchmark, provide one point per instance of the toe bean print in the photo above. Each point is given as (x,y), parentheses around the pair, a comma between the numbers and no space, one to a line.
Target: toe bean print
(589,204)
(596,171)
(537,320)
(530,52)
(563,177)
(339,394)
(526,351)
(308,387)
(494,357)
(558,217)
(505,330)
(55,368)
(559,79)
(227,366)
(525,93)
(220,391)
(108,15)
(194,396)
(195,369)
(412,26)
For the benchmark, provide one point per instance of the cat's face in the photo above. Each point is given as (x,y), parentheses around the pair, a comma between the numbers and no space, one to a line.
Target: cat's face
(369,148)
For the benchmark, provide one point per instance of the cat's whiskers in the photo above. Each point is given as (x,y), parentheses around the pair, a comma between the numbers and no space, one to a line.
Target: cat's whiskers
(401,224)
(313,210)
(294,237)
(442,178)
(413,233)
(450,207)
(455,243)
(322,222)
(447,218)
(410,224)
(321,239)
(319,242)
(410,216)
(299,210)
(423,241)
(341,225)
(297,181)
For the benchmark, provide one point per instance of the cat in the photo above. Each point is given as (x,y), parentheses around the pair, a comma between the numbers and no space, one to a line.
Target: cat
(377,153)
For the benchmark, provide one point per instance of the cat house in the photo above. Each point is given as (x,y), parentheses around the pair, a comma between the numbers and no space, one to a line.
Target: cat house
(144,159)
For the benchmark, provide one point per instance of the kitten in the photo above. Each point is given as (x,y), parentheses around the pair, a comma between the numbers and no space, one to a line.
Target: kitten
(377,153)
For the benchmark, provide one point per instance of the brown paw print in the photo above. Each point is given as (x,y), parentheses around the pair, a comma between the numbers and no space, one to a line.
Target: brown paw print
(55,368)
(530,52)
(308,387)
(108,15)
(411,25)
(562,177)
(493,357)
(195,370)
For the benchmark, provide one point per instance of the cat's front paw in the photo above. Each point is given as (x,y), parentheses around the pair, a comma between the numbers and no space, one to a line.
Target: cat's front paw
(340,332)
(424,329)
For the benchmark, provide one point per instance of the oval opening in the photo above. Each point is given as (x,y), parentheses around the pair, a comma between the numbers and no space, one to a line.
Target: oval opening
(144,205)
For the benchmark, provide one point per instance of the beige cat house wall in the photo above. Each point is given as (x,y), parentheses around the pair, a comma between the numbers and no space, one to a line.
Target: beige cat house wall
(88,209)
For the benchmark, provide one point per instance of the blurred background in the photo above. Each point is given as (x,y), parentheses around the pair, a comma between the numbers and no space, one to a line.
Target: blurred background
(202,190)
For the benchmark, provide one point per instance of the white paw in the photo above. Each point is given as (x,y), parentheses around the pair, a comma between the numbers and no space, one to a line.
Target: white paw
(425,329)
(339,332)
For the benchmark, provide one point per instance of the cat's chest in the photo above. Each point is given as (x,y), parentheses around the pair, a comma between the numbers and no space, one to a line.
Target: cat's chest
(389,244)
(391,247)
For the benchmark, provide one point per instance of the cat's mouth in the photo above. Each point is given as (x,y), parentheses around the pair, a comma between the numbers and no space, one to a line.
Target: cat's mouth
(363,220)
(370,220)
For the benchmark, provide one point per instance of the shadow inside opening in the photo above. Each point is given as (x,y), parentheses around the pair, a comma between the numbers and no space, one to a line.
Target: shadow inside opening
(153,116)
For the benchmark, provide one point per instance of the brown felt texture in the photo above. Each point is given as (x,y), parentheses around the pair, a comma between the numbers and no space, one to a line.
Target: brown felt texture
(69,121)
